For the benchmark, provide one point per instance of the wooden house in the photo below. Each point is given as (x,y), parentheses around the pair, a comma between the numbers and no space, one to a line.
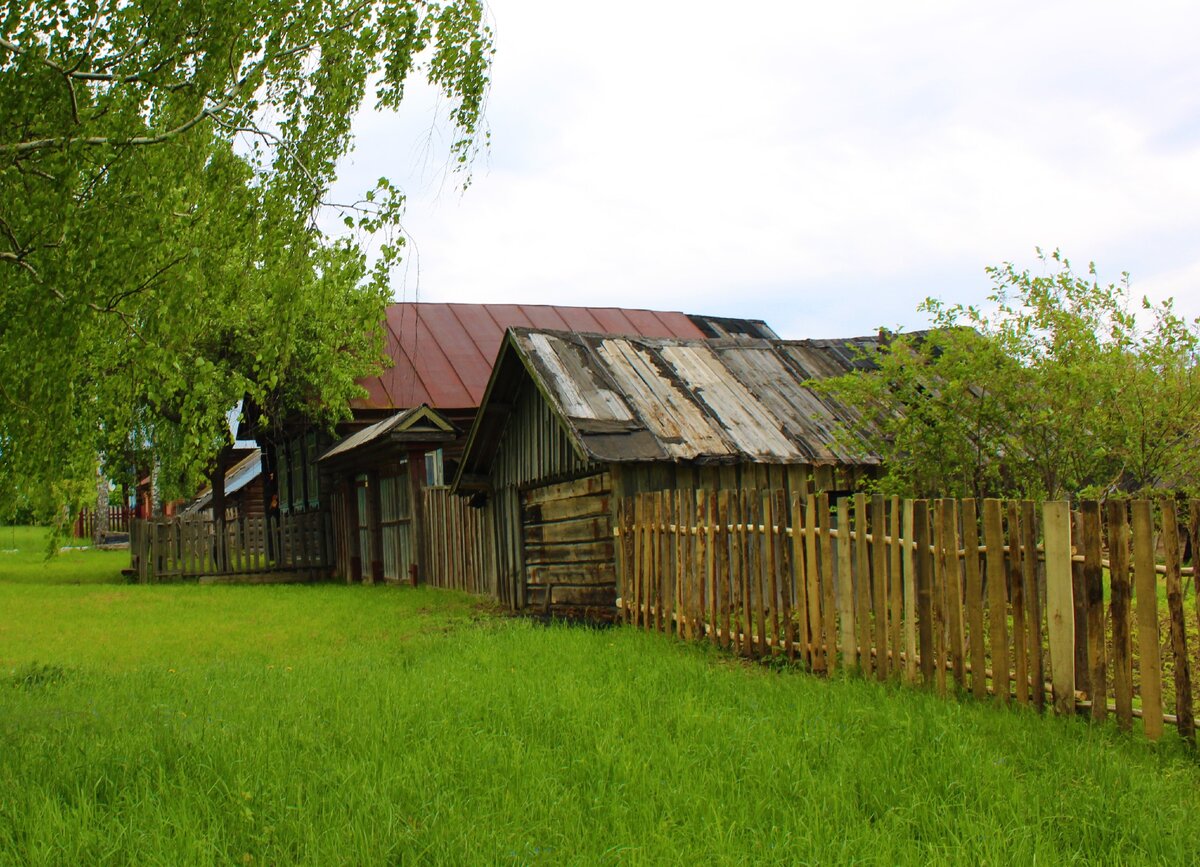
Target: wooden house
(386,465)
(571,423)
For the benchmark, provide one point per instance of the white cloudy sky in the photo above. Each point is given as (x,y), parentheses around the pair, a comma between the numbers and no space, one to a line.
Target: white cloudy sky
(821,166)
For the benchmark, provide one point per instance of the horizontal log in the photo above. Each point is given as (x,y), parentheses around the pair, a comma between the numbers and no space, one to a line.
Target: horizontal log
(566,573)
(562,510)
(569,552)
(587,486)
(566,595)
(574,530)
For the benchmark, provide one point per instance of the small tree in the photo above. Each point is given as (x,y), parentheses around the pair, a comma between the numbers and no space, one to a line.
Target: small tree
(1057,388)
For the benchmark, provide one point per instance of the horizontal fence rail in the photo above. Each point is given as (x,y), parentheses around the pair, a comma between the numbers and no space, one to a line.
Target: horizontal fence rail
(1024,603)
(187,546)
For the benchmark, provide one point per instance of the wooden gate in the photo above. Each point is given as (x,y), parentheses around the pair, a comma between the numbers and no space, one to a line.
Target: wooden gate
(568,545)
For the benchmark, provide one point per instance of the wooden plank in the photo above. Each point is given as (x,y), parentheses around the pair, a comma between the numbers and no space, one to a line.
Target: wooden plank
(771,563)
(879,599)
(799,576)
(563,573)
(1145,588)
(745,568)
(826,583)
(658,578)
(952,576)
(1060,608)
(577,530)
(570,552)
(645,550)
(563,510)
(670,608)
(600,483)
(923,581)
(813,577)
(940,619)
(1093,578)
(621,544)
(1033,603)
(1122,650)
(862,575)
(1079,594)
(845,586)
(974,598)
(895,589)
(1017,593)
(1185,720)
(997,584)
(909,580)
(724,571)
(703,552)
(757,552)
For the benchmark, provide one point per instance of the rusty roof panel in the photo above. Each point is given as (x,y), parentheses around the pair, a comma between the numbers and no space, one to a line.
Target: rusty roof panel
(443,353)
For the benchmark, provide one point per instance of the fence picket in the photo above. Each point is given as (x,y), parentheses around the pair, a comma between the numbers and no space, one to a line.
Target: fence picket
(799,580)
(1033,603)
(997,580)
(974,598)
(1060,609)
(1185,721)
(954,596)
(829,600)
(1122,653)
(845,585)
(1146,595)
(1017,593)
(1093,579)
(862,581)
(895,589)
(879,597)
(908,567)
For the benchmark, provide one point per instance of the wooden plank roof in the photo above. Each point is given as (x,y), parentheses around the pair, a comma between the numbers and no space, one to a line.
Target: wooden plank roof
(630,398)
(443,353)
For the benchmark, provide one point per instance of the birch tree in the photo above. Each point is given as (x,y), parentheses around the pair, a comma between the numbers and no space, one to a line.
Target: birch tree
(163,167)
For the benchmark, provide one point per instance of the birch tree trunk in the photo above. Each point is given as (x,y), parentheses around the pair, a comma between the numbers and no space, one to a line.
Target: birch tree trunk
(100,524)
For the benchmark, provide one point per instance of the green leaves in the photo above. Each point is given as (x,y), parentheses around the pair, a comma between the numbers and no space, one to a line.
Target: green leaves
(1055,389)
(161,170)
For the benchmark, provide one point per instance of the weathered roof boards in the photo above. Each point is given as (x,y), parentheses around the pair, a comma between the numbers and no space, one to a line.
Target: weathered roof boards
(634,399)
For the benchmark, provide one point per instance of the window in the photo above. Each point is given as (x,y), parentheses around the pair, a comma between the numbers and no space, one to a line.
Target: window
(310,451)
(435,473)
(284,477)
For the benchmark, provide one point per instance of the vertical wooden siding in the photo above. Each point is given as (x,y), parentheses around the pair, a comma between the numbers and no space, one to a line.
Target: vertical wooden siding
(458,544)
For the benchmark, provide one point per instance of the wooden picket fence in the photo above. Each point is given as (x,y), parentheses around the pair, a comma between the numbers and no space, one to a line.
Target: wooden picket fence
(458,552)
(119,518)
(185,546)
(1024,603)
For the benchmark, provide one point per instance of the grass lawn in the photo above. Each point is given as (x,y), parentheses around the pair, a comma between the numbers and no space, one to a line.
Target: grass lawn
(328,724)
(23,559)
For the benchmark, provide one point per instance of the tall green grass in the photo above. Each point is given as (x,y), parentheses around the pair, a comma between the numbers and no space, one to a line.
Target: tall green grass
(24,559)
(352,725)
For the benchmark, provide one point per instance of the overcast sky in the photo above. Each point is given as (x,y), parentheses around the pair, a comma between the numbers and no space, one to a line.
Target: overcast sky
(820,166)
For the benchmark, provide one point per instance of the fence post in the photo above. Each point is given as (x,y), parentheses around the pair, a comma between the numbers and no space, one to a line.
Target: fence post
(1060,620)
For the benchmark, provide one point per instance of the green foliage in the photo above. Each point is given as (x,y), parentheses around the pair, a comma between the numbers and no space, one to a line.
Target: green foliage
(335,724)
(1056,387)
(162,168)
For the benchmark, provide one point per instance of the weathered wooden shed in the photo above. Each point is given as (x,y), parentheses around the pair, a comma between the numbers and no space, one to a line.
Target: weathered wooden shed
(571,422)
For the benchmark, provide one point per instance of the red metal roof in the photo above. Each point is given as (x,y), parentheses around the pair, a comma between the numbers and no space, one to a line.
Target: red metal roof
(443,353)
